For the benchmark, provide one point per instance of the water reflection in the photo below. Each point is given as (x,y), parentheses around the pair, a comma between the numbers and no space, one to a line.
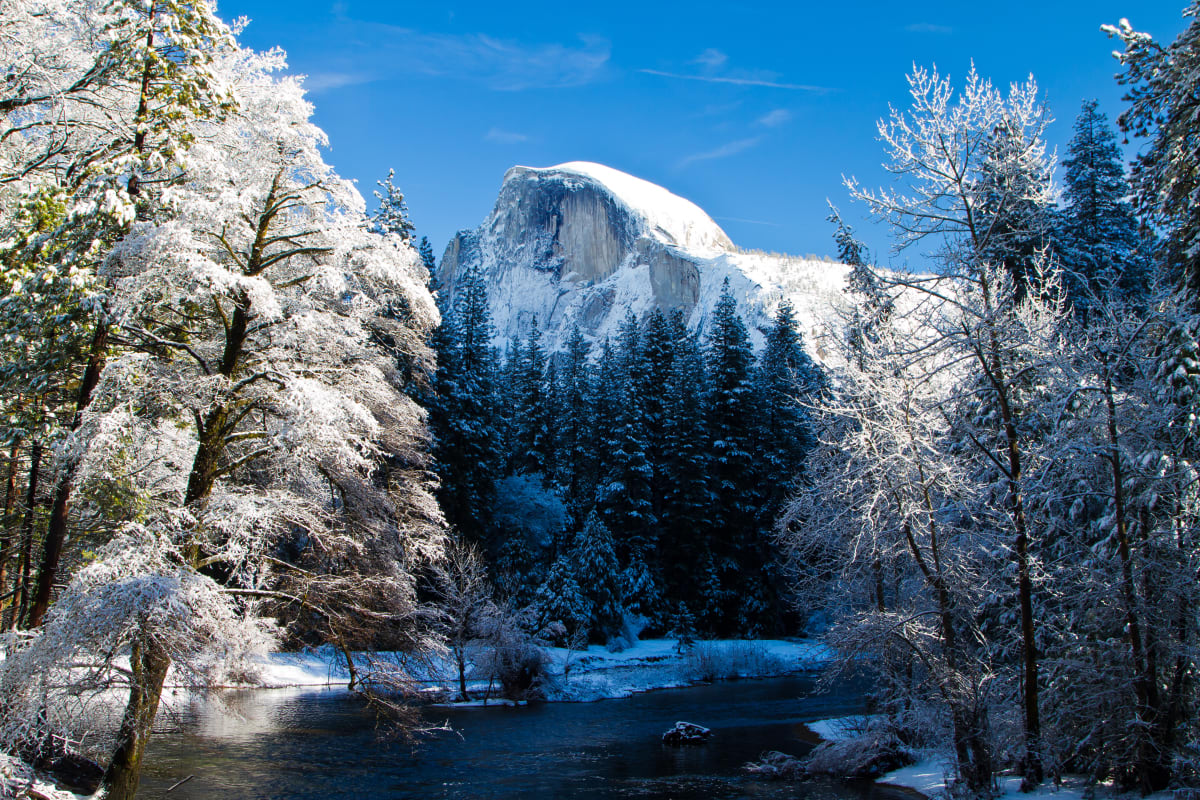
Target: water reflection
(297,745)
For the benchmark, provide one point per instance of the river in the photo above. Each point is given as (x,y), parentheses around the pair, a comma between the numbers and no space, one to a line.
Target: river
(288,745)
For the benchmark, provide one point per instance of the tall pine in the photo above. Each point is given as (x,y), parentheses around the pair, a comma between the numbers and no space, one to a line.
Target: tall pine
(1098,240)
(735,491)
(467,440)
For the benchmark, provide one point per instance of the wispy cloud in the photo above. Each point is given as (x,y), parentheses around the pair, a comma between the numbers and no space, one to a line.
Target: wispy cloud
(773,119)
(504,137)
(507,65)
(724,151)
(712,58)
(325,81)
(929,27)
(749,221)
(739,81)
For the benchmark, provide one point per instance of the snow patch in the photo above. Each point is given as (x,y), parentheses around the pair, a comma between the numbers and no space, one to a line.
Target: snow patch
(576,675)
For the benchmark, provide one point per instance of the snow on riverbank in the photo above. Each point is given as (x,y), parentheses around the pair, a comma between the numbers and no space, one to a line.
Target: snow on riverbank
(930,775)
(591,674)
(18,780)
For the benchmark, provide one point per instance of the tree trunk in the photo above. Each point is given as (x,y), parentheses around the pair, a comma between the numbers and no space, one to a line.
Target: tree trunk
(459,656)
(35,464)
(149,663)
(8,537)
(56,530)
(1147,767)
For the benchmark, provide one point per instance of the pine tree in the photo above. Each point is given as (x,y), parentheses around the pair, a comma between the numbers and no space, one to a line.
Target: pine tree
(532,445)
(425,251)
(605,408)
(466,427)
(597,572)
(1013,196)
(850,250)
(575,466)
(560,598)
(736,490)
(685,537)
(873,307)
(1164,97)
(392,214)
(786,378)
(623,498)
(1098,241)
(658,360)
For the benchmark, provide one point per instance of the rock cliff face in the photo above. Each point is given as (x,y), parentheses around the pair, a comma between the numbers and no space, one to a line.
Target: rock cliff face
(580,243)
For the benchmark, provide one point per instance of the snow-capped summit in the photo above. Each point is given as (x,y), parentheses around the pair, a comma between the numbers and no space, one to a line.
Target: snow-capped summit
(580,243)
(666,216)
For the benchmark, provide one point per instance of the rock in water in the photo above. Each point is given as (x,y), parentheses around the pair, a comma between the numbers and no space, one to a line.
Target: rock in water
(686,733)
(581,243)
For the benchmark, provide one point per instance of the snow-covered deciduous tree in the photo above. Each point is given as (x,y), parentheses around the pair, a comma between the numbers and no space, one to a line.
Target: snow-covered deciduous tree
(882,538)
(974,183)
(465,604)
(92,138)
(248,390)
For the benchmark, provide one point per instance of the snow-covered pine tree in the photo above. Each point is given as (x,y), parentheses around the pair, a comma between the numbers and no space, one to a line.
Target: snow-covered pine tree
(391,217)
(560,598)
(658,359)
(605,409)
(1163,92)
(735,491)
(685,537)
(598,574)
(425,251)
(467,443)
(530,407)
(1098,241)
(1014,195)
(575,470)
(623,498)
(873,306)
(785,380)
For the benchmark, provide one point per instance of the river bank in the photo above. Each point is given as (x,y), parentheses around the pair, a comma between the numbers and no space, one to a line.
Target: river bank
(573,675)
(931,773)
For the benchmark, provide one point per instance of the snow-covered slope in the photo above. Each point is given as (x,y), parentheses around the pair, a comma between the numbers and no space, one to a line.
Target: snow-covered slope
(582,242)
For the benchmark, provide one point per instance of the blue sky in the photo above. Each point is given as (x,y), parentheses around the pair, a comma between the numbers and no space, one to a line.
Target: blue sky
(754,111)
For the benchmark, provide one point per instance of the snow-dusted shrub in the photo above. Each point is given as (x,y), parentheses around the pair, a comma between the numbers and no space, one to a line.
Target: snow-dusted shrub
(511,657)
(775,766)
(716,661)
(868,755)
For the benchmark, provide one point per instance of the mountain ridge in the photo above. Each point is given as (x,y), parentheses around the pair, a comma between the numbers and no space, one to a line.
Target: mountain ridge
(579,243)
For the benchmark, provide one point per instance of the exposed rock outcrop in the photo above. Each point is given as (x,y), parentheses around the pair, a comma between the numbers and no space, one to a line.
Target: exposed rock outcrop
(580,243)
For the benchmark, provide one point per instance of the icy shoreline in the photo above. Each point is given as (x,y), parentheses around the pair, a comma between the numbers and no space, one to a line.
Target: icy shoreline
(579,675)
(928,777)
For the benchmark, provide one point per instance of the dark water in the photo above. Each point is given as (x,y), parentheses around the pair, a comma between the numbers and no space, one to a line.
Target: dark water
(274,744)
